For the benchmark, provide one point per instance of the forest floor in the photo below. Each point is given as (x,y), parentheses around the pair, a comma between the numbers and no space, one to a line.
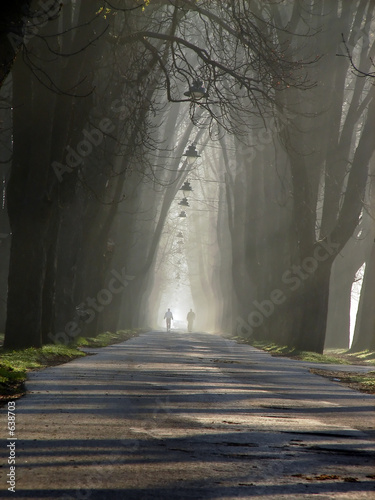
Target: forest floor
(189,416)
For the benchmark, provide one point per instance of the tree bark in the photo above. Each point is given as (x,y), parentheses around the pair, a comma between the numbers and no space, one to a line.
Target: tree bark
(312,307)
(25,284)
(29,210)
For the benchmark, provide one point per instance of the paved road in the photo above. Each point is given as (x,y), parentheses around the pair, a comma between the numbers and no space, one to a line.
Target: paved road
(189,416)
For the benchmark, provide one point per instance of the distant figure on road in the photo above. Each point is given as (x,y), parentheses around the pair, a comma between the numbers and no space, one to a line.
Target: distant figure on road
(190,319)
(168,316)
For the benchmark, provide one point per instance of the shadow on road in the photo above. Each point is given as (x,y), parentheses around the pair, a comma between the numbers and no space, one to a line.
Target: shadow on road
(175,416)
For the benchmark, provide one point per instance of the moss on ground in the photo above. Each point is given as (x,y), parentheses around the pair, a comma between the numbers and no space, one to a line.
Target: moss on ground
(364,382)
(107,338)
(330,356)
(14,364)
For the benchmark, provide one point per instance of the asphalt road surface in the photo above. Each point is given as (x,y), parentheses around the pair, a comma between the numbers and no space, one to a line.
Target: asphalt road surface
(188,416)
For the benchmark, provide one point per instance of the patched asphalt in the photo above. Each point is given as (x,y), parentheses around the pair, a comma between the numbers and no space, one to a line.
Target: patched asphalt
(189,416)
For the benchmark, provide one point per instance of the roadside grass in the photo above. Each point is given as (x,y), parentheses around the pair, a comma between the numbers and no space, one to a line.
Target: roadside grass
(108,338)
(330,356)
(365,357)
(292,352)
(15,364)
(364,382)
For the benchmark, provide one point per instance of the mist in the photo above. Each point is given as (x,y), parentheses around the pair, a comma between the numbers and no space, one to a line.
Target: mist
(187,258)
(100,106)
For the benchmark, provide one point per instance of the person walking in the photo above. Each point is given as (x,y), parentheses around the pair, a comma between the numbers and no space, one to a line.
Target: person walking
(168,316)
(190,319)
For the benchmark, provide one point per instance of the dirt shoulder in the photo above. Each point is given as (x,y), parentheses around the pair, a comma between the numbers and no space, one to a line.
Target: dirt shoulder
(359,380)
(363,382)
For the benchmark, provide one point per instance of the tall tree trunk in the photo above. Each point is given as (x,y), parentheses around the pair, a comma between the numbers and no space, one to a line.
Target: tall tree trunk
(338,321)
(25,283)
(29,209)
(49,284)
(344,269)
(312,307)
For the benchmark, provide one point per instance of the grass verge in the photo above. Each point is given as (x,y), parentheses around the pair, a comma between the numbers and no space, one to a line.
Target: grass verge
(15,364)
(108,338)
(364,382)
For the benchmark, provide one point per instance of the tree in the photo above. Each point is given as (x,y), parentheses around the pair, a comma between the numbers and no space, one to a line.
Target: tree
(33,187)
(183,41)
(18,25)
(327,179)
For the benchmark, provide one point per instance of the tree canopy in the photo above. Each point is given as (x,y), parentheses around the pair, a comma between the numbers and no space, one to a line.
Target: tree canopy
(101,101)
